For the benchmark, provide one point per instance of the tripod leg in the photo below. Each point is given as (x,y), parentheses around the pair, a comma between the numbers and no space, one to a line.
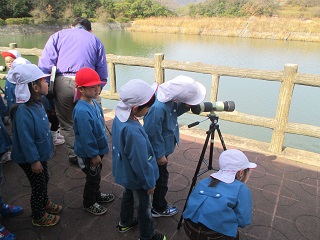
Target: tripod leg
(221,139)
(194,179)
(211,149)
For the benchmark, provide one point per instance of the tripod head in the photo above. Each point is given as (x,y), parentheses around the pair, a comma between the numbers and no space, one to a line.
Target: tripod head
(212,116)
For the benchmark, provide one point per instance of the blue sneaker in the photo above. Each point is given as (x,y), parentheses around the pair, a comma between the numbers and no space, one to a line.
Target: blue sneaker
(5,234)
(10,210)
(170,211)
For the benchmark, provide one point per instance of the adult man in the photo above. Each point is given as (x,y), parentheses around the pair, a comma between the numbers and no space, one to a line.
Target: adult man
(70,50)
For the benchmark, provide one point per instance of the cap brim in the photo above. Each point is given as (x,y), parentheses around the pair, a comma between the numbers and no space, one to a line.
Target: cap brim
(252,165)
(8,54)
(154,87)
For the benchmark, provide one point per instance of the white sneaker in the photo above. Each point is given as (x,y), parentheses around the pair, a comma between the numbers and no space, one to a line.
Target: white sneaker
(56,140)
(59,136)
(6,157)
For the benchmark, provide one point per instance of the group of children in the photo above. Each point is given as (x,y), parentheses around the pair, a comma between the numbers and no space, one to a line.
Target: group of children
(139,152)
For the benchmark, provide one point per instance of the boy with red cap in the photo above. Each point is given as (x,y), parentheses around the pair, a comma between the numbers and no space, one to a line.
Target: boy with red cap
(91,141)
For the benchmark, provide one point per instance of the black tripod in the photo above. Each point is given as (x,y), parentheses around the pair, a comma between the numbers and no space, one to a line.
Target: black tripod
(210,135)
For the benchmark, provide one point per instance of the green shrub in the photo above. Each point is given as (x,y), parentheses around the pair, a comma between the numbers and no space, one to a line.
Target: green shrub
(2,22)
(13,21)
(123,20)
(110,20)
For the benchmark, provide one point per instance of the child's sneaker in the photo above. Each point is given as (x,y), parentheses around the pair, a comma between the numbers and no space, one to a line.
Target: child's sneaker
(47,220)
(53,208)
(158,236)
(5,234)
(105,198)
(10,210)
(6,158)
(96,209)
(170,211)
(132,225)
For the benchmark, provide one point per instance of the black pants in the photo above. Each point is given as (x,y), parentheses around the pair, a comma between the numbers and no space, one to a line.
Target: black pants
(39,189)
(159,201)
(200,232)
(91,190)
(53,119)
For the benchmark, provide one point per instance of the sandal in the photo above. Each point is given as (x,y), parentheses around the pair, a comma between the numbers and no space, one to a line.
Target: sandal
(47,220)
(52,207)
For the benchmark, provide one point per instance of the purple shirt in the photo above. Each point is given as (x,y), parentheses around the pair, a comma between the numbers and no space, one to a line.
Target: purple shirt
(72,49)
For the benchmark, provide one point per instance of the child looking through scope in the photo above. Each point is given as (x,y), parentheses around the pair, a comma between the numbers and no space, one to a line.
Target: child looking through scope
(221,203)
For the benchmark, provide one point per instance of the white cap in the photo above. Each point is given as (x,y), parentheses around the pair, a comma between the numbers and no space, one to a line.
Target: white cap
(21,76)
(231,161)
(182,89)
(16,62)
(136,92)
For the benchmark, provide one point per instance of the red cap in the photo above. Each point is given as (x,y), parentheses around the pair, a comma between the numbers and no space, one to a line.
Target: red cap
(87,77)
(11,53)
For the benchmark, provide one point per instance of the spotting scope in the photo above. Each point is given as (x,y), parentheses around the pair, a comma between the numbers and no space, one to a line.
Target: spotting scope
(227,106)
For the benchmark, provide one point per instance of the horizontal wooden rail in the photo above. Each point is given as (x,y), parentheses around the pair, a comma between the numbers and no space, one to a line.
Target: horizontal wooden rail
(288,78)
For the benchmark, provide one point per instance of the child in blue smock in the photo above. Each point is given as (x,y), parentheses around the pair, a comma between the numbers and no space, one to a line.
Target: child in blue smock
(91,141)
(5,209)
(32,141)
(134,165)
(218,205)
(174,98)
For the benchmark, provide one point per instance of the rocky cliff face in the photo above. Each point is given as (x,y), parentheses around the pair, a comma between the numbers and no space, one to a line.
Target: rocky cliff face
(11,30)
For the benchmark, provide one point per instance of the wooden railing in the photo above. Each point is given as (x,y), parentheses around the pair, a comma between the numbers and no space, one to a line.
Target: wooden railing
(288,78)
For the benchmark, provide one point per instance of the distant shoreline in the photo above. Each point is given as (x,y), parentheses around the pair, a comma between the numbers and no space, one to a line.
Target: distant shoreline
(288,29)
(260,28)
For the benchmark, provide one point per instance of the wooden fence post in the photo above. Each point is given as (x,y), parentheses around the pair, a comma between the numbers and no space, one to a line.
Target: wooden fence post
(112,77)
(159,72)
(214,87)
(284,101)
(13,45)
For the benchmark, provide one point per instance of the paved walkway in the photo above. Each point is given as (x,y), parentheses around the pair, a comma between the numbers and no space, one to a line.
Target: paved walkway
(285,198)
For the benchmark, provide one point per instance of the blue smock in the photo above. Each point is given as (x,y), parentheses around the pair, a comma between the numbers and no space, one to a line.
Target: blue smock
(32,139)
(134,165)
(89,129)
(5,140)
(161,125)
(222,208)
(9,95)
